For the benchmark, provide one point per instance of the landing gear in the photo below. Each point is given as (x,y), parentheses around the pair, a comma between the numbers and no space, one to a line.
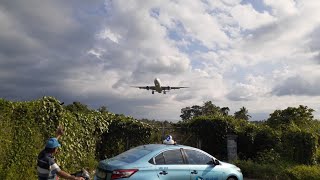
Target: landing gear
(164,92)
(152,92)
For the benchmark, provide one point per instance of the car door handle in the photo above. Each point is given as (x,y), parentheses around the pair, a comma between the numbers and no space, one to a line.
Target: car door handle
(194,172)
(163,172)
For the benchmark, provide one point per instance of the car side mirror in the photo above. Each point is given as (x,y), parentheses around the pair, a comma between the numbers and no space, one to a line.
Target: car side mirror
(215,162)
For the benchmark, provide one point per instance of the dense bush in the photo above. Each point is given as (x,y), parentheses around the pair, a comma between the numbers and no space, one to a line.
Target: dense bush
(278,171)
(25,127)
(245,142)
(122,135)
(303,172)
(299,146)
(250,169)
(212,131)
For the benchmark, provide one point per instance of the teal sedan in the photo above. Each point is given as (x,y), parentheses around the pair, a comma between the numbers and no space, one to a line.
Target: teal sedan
(166,162)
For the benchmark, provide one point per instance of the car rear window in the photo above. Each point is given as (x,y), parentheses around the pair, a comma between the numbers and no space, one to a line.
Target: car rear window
(132,155)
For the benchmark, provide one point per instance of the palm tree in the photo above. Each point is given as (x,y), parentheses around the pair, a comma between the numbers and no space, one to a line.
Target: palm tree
(242,114)
(225,111)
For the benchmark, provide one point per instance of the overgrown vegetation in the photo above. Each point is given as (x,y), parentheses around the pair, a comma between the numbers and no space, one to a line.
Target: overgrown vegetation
(285,146)
(25,126)
(282,147)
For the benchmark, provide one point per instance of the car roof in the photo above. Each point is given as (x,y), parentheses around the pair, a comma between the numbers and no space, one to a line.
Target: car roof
(152,147)
(155,148)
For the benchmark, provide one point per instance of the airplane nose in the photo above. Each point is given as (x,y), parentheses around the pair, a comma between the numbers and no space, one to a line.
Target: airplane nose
(157,80)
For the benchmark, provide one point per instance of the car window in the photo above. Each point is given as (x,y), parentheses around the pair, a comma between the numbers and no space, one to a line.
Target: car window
(159,159)
(169,157)
(197,157)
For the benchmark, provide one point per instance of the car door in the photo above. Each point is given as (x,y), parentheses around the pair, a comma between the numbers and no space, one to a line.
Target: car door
(170,165)
(201,166)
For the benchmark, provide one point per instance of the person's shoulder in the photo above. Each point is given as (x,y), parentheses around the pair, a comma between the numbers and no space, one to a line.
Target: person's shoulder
(46,156)
(51,159)
(41,154)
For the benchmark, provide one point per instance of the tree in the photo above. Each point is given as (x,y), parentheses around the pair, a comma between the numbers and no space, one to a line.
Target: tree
(103,109)
(300,116)
(242,114)
(188,113)
(77,107)
(225,111)
(209,109)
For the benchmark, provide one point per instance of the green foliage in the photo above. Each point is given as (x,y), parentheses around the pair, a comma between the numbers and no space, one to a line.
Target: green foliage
(251,169)
(299,146)
(212,131)
(266,139)
(123,134)
(77,107)
(90,135)
(246,134)
(207,109)
(21,151)
(303,172)
(267,156)
(25,127)
(6,134)
(278,170)
(257,141)
(300,116)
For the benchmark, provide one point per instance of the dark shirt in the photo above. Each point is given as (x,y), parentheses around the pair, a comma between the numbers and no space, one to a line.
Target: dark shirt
(47,168)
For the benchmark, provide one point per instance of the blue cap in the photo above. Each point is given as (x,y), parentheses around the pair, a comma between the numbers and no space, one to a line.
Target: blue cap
(52,143)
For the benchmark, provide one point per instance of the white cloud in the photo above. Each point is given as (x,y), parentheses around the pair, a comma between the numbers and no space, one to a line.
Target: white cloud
(197,23)
(248,18)
(283,7)
(255,87)
(110,35)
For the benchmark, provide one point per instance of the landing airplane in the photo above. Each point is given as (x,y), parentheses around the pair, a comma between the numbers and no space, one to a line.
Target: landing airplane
(157,87)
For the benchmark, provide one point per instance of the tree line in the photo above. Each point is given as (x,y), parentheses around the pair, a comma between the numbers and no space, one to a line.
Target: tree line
(209,109)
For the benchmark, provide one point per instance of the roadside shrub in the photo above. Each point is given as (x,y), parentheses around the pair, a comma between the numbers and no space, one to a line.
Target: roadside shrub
(303,172)
(299,146)
(268,156)
(318,156)
(250,169)
(266,139)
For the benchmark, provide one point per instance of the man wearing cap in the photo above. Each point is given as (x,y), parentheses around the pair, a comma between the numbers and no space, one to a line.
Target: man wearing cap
(47,168)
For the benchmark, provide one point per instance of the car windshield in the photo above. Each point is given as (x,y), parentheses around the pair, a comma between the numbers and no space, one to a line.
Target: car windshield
(133,155)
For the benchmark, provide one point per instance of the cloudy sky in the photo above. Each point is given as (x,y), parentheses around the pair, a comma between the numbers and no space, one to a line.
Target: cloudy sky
(260,54)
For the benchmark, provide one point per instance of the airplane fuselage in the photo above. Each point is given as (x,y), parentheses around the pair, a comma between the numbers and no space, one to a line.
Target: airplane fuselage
(157,84)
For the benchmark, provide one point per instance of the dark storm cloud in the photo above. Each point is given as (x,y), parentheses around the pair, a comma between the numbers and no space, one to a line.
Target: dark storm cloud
(41,41)
(315,43)
(297,86)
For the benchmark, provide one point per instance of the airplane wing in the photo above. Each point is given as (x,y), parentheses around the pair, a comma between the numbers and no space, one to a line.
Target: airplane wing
(169,87)
(145,87)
